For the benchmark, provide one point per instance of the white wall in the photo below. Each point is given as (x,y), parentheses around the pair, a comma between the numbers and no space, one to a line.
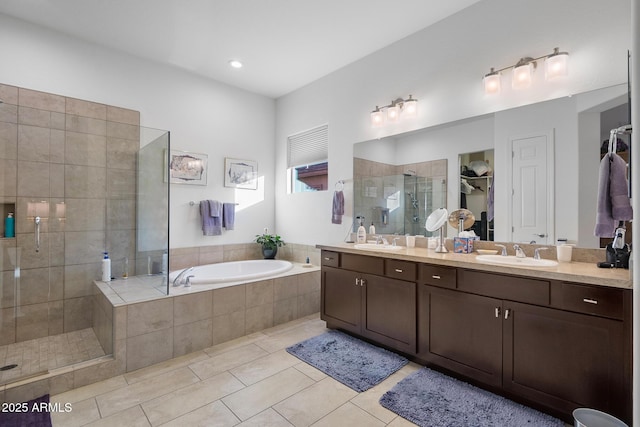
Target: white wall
(203,116)
(442,67)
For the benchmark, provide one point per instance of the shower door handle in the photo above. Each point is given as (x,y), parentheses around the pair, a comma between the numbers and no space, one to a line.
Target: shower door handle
(37,233)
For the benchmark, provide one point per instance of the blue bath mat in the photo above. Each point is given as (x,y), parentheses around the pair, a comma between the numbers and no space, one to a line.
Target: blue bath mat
(355,363)
(429,398)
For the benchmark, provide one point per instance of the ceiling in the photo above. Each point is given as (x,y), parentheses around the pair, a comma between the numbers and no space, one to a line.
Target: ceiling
(283,44)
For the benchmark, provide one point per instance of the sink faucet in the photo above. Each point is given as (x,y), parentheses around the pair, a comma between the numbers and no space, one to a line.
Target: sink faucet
(536,255)
(504,249)
(519,252)
(395,241)
(178,280)
(381,240)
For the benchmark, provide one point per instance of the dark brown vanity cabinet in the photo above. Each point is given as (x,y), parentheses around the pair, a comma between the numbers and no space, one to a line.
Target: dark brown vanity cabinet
(359,297)
(504,332)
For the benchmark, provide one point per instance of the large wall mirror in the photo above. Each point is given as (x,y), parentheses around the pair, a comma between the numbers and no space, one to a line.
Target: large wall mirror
(565,133)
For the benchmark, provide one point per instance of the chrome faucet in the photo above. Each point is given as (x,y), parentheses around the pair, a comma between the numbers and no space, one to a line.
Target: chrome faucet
(504,249)
(178,280)
(536,255)
(519,252)
(395,241)
(380,240)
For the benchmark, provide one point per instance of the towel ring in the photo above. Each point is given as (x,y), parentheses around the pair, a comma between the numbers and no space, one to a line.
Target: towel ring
(339,185)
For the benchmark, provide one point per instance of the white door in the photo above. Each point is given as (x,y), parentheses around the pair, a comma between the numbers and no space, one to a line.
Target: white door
(532,163)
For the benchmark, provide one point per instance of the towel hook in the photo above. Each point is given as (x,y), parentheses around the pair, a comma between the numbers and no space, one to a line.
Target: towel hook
(339,185)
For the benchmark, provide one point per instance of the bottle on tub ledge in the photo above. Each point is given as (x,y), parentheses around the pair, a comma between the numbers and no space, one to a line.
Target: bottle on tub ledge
(106,267)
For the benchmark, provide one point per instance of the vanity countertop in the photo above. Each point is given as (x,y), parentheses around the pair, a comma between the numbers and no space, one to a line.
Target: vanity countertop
(580,272)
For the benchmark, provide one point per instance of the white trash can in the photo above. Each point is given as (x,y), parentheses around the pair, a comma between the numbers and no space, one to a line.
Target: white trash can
(586,417)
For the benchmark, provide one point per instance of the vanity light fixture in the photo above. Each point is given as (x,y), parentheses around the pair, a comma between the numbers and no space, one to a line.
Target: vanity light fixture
(556,65)
(234,63)
(407,108)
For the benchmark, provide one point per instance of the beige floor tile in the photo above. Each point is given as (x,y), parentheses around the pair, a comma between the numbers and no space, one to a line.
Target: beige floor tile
(180,402)
(235,343)
(308,406)
(228,360)
(291,337)
(268,418)
(310,371)
(163,367)
(132,417)
(349,415)
(400,422)
(81,413)
(214,414)
(258,397)
(132,395)
(259,369)
(91,390)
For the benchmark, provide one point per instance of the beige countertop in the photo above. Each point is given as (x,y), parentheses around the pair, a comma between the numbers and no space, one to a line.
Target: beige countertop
(580,272)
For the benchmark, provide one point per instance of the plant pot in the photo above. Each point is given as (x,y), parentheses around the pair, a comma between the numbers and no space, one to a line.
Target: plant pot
(269,252)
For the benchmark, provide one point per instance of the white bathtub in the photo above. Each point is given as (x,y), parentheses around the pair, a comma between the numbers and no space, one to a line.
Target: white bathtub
(234,271)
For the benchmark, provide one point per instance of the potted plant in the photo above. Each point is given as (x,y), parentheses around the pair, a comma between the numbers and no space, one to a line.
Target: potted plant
(270,243)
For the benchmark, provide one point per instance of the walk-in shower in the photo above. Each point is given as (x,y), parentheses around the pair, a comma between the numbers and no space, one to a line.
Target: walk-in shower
(74,175)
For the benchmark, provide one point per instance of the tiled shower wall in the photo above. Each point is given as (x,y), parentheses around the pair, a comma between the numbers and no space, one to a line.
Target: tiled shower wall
(80,157)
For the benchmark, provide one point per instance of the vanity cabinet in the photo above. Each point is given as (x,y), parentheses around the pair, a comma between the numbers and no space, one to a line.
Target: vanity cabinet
(359,297)
(502,331)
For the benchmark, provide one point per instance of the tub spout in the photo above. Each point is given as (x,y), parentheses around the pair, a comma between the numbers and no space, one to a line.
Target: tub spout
(178,280)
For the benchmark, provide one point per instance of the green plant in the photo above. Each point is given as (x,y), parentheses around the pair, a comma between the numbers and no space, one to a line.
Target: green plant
(269,241)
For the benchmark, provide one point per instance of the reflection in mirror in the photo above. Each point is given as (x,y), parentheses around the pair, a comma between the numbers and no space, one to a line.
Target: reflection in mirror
(575,128)
(476,177)
(398,199)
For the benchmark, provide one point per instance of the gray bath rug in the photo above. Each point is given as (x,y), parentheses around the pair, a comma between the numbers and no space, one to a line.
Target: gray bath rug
(431,399)
(355,363)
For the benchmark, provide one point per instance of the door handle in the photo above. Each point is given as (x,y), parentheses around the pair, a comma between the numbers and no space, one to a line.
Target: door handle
(357,281)
(362,282)
(398,270)
(506,314)
(497,312)
(540,234)
(435,276)
(590,301)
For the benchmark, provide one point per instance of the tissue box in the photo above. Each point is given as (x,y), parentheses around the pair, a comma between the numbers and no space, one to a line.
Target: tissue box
(463,245)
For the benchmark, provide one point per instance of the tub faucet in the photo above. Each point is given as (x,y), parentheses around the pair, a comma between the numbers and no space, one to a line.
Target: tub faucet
(178,280)
(519,252)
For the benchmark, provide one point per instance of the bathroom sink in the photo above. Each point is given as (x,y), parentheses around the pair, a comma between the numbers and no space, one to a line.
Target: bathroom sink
(375,247)
(515,261)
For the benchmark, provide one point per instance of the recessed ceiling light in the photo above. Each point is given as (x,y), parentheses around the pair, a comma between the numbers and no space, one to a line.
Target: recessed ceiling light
(235,63)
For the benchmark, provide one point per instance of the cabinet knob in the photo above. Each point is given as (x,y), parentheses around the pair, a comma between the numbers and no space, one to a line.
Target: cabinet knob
(357,281)
(327,258)
(435,276)
(590,301)
(506,314)
(362,282)
(497,310)
(398,270)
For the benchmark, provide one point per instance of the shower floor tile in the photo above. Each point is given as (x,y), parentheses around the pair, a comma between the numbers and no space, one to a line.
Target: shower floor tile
(42,354)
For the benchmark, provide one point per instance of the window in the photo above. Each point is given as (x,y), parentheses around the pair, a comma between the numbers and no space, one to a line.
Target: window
(307,165)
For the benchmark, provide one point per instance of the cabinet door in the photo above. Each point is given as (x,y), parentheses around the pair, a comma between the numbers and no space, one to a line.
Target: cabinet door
(565,360)
(390,312)
(341,299)
(462,332)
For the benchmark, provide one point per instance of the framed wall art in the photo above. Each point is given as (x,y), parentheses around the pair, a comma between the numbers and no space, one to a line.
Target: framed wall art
(240,174)
(187,168)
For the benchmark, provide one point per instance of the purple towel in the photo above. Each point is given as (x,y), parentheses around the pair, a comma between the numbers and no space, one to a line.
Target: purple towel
(337,209)
(613,199)
(215,210)
(490,210)
(210,224)
(228,215)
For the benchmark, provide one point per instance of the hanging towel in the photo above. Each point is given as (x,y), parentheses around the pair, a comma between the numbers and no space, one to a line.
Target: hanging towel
(228,215)
(215,211)
(207,220)
(338,207)
(613,199)
(490,201)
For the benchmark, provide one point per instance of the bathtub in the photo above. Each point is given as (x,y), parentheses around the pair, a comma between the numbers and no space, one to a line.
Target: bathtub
(234,271)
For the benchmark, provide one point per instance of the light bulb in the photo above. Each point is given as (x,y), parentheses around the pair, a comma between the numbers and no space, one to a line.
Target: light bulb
(522,76)
(492,84)
(556,65)
(377,119)
(393,113)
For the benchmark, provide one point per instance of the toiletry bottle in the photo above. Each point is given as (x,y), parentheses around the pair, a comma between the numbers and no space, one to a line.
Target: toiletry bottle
(9,226)
(106,268)
(362,234)
(372,229)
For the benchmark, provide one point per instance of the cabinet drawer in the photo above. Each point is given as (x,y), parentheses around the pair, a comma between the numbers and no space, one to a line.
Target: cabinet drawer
(600,301)
(437,275)
(362,263)
(330,259)
(521,289)
(403,270)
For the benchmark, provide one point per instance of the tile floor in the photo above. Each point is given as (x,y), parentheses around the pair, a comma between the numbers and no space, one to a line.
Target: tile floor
(250,381)
(39,355)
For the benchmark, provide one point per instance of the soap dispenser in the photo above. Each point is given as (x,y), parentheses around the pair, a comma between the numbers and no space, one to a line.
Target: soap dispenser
(372,229)
(361,236)
(106,267)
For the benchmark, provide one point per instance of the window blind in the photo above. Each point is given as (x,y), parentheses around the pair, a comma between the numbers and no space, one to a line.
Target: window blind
(311,146)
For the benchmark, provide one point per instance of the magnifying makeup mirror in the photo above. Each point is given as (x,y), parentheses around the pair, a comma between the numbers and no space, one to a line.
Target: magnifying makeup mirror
(462,219)
(436,221)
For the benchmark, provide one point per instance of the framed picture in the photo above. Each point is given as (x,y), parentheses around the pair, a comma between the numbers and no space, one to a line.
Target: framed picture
(240,174)
(187,168)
